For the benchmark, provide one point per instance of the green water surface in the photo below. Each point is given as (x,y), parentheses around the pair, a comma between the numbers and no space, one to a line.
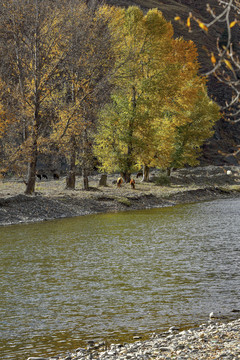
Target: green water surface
(113,276)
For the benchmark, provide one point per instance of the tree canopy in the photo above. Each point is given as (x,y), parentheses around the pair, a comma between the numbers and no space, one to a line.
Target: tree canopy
(157,93)
(54,63)
(33,47)
(72,76)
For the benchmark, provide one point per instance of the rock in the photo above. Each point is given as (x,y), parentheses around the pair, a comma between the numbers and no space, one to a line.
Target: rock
(173,328)
(111,352)
(91,342)
(207,342)
(102,343)
(164,348)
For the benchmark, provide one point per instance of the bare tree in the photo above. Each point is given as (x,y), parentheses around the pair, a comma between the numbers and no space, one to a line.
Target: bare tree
(225,57)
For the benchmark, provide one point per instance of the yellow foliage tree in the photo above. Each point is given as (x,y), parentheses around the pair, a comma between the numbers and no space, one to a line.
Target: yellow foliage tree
(84,86)
(33,47)
(156,90)
(191,136)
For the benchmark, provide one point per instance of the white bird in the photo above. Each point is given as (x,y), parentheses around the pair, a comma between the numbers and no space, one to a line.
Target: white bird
(211,315)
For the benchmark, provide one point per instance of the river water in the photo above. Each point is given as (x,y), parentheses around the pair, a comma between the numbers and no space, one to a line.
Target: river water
(113,276)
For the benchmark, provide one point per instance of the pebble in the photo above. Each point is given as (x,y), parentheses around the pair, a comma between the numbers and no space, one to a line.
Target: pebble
(212,341)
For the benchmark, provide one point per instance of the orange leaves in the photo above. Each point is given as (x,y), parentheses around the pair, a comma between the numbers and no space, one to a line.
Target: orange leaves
(2,120)
(202,25)
(228,64)
(189,21)
(233,23)
(188,24)
(213,59)
(181,22)
(6,116)
(226,61)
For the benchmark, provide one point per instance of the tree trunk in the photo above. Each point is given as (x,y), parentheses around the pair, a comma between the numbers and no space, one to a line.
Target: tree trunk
(126,176)
(31,178)
(129,160)
(30,186)
(145,177)
(71,177)
(71,180)
(168,171)
(85,180)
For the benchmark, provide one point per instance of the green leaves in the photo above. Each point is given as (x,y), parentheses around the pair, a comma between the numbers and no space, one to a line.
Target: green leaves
(156,24)
(190,137)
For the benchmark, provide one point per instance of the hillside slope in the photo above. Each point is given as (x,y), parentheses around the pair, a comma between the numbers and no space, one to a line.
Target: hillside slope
(221,148)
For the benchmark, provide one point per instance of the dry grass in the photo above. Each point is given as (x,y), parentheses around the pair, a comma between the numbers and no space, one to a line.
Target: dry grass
(185,179)
(56,188)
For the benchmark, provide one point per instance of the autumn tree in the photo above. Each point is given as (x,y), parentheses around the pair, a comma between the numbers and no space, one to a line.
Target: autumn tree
(33,47)
(156,90)
(85,86)
(8,129)
(190,137)
(138,36)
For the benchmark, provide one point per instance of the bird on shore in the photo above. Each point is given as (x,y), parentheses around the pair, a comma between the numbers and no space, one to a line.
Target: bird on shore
(217,315)
(211,315)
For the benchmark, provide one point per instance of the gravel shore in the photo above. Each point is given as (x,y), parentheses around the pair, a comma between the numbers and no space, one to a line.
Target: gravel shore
(53,201)
(209,341)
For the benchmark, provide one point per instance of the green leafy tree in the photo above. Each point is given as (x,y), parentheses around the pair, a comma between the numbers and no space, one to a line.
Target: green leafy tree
(190,137)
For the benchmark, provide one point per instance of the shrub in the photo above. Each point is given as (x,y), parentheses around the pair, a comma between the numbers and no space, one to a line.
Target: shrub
(162,180)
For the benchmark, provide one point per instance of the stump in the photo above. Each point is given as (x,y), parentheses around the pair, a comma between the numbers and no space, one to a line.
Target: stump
(103,180)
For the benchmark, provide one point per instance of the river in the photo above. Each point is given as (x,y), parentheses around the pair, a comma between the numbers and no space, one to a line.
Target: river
(113,276)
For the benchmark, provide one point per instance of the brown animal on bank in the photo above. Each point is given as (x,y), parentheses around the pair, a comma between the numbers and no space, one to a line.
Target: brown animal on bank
(119,182)
(132,183)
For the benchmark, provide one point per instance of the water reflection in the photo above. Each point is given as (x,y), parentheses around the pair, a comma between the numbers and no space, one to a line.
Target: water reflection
(113,275)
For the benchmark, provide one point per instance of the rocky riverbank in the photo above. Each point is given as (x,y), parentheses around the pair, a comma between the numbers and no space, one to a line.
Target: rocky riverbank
(52,201)
(208,341)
